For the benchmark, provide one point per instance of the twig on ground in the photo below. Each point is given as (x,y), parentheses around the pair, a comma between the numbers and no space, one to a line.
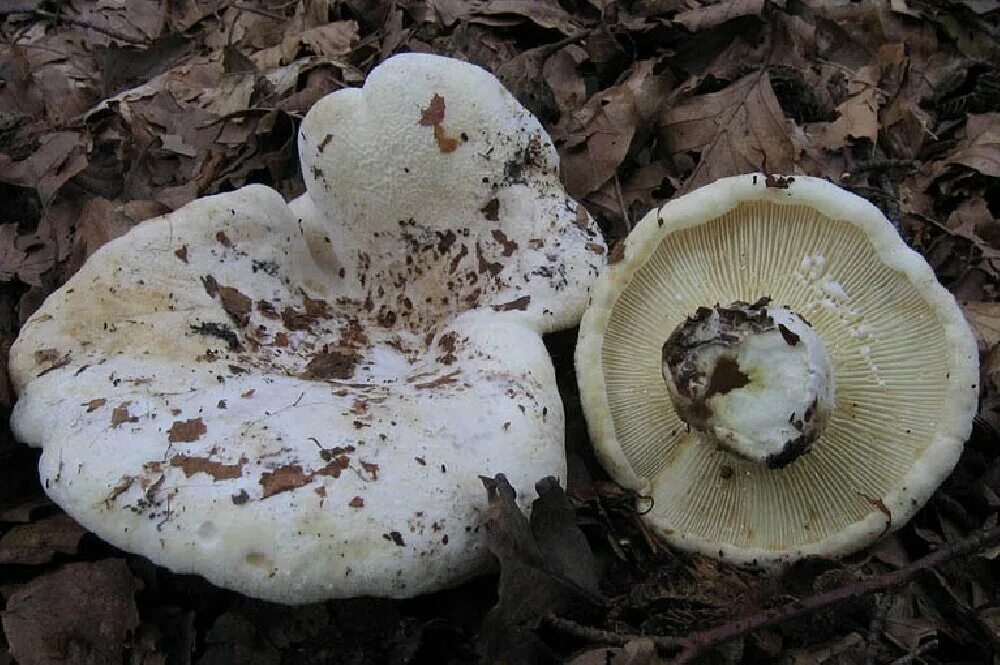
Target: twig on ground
(599,636)
(693,645)
(916,653)
(885,165)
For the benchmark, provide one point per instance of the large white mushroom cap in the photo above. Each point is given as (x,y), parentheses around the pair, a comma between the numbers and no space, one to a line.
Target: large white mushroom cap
(820,438)
(297,401)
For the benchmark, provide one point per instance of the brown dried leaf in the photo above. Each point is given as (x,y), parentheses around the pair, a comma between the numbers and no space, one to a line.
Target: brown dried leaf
(595,139)
(523,75)
(858,113)
(560,71)
(545,13)
(546,566)
(38,542)
(81,613)
(985,320)
(649,186)
(330,40)
(739,129)
(23,511)
(973,221)
(717,13)
(24,258)
(59,157)
(980,149)
(99,221)
(847,649)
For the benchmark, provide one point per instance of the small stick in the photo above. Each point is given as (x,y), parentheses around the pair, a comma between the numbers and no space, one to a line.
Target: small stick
(916,653)
(693,645)
(598,636)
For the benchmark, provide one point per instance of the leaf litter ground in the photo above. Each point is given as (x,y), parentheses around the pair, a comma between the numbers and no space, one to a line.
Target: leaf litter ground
(112,112)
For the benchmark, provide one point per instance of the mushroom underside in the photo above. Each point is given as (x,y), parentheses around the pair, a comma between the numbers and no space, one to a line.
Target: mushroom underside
(889,434)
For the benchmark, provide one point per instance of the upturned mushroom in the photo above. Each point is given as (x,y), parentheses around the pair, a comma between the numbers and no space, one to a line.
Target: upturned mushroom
(296,401)
(774,371)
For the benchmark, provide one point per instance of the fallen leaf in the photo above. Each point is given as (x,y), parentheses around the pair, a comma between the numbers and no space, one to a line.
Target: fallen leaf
(985,320)
(717,13)
(545,13)
(23,511)
(546,567)
(594,140)
(333,39)
(24,258)
(858,113)
(980,148)
(99,222)
(38,542)
(80,613)
(59,157)
(523,75)
(569,90)
(739,129)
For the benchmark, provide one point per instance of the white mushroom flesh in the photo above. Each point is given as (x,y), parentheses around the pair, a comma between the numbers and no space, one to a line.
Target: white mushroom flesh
(755,380)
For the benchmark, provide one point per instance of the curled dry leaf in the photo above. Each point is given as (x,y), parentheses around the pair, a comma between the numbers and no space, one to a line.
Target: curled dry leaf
(332,39)
(596,139)
(59,157)
(858,113)
(544,13)
(546,566)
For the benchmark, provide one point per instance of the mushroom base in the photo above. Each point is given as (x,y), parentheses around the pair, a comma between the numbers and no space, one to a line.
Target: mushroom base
(755,380)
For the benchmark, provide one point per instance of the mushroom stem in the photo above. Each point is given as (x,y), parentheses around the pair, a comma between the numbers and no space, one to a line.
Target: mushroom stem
(753,379)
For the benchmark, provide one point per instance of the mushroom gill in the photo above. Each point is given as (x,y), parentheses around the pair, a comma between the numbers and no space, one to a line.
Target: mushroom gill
(892,371)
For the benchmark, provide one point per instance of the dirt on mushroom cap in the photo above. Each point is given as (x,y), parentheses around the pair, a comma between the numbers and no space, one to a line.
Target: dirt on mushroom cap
(276,370)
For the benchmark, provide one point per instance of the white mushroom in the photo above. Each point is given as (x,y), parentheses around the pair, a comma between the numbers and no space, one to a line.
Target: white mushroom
(297,401)
(775,371)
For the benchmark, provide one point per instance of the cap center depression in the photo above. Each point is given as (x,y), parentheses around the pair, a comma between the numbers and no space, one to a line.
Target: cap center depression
(753,379)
